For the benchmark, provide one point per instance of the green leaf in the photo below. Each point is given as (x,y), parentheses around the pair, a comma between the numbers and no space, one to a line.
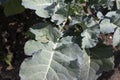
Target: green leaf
(36,46)
(53,63)
(59,60)
(116,18)
(107,27)
(68,1)
(90,36)
(107,24)
(101,51)
(116,37)
(103,56)
(8,59)
(60,14)
(98,3)
(13,7)
(45,32)
(81,1)
(48,8)
(118,4)
(43,8)
(90,22)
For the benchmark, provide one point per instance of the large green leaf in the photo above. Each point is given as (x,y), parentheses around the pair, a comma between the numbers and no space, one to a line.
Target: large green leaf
(13,7)
(52,64)
(59,60)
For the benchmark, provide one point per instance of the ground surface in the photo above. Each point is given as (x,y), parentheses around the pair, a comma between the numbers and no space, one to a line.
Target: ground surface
(13,38)
(12,35)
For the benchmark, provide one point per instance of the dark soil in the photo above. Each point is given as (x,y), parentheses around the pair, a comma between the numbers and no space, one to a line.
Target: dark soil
(13,35)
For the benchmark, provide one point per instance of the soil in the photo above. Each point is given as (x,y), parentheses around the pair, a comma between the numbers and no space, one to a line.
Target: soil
(13,37)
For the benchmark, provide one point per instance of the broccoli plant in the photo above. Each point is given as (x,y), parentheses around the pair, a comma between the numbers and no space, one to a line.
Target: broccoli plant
(69,44)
